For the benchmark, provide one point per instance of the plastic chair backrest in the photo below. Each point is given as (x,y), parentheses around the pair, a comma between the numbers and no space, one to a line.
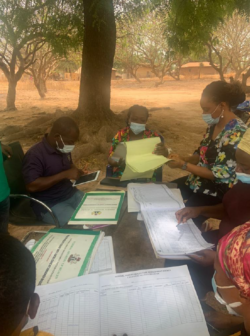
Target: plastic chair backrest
(13,170)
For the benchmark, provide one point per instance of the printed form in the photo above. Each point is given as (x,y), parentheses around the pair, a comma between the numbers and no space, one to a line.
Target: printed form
(142,303)
(69,308)
(168,238)
(148,303)
(104,261)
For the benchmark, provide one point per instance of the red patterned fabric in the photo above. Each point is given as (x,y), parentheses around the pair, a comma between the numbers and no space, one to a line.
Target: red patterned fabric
(234,256)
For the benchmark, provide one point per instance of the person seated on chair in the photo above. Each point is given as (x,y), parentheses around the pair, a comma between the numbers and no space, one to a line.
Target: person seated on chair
(136,130)
(212,166)
(5,152)
(48,169)
(235,207)
(18,301)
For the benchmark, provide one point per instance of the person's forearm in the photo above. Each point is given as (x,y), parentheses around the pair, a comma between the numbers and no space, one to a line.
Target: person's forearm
(44,183)
(200,171)
(194,159)
(215,211)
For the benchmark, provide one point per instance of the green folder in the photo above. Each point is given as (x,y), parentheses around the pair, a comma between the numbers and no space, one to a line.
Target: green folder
(98,208)
(65,254)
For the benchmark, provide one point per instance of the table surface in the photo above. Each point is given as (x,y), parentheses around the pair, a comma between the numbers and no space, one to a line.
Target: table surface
(132,247)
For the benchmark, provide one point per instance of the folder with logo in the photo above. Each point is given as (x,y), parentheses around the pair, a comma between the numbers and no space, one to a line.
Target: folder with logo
(101,208)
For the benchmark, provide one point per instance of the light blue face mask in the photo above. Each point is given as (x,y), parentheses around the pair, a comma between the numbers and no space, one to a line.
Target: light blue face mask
(244,178)
(137,128)
(210,120)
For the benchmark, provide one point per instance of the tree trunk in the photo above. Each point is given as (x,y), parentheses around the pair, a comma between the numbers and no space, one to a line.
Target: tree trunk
(40,84)
(11,95)
(97,61)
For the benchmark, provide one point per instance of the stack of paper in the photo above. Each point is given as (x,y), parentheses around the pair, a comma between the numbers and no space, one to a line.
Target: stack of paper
(151,302)
(64,254)
(158,205)
(98,208)
(140,160)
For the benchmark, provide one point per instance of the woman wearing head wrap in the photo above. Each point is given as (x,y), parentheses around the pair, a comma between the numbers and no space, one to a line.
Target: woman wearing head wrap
(235,207)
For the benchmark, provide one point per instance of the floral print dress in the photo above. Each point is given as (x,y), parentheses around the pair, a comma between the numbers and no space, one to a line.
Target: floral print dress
(123,136)
(219,156)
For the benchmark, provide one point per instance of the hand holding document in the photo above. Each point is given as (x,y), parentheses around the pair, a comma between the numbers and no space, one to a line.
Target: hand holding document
(158,205)
(140,160)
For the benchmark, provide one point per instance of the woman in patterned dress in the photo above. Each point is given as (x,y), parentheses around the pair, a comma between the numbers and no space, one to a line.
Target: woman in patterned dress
(136,130)
(212,166)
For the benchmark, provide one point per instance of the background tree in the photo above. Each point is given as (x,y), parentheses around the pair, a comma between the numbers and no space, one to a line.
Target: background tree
(25,26)
(141,43)
(189,26)
(97,62)
(234,42)
(46,61)
(126,57)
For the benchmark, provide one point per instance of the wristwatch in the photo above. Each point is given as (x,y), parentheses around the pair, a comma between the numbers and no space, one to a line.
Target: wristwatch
(184,167)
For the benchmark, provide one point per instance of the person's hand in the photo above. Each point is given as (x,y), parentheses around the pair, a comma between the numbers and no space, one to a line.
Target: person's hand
(178,163)
(222,321)
(7,151)
(73,173)
(121,163)
(185,214)
(161,149)
(175,157)
(204,258)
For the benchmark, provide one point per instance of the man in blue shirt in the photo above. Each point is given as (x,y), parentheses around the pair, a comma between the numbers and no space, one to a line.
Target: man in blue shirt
(5,152)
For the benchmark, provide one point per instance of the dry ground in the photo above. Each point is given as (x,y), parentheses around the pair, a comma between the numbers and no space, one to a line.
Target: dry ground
(179,120)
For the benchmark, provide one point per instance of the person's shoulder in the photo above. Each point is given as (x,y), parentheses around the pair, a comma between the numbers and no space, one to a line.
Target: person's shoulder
(122,131)
(237,124)
(34,152)
(36,148)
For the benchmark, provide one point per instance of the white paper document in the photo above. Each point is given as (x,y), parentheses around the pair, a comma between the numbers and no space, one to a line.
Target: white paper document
(158,205)
(168,238)
(104,261)
(156,302)
(157,194)
(69,308)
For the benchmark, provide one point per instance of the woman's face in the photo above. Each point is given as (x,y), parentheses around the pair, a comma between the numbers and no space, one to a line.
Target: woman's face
(139,117)
(210,107)
(243,162)
(229,295)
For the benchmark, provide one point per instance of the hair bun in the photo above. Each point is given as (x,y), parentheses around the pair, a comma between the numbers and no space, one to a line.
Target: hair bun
(236,94)
(220,91)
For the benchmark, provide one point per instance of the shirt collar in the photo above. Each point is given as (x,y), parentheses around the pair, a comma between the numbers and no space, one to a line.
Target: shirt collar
(49,149)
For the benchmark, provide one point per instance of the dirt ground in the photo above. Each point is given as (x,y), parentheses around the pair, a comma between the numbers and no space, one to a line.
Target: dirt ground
(179,119)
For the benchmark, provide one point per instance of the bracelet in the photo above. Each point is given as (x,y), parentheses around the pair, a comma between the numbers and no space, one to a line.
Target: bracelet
(184,167)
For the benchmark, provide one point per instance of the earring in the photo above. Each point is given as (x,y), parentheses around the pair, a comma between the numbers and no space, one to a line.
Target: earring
(222,116)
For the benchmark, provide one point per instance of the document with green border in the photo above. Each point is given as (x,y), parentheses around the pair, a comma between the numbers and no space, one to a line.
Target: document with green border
(65,254)
(98,208)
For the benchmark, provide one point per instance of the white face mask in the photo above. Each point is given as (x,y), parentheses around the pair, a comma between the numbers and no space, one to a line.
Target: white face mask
(137,128)
(66,148)
(229,306)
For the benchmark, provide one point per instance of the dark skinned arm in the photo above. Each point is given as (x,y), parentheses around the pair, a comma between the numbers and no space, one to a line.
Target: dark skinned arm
(44,183)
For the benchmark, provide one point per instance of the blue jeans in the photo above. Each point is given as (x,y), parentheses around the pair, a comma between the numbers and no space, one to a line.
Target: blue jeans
(4,215)
(64,210)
